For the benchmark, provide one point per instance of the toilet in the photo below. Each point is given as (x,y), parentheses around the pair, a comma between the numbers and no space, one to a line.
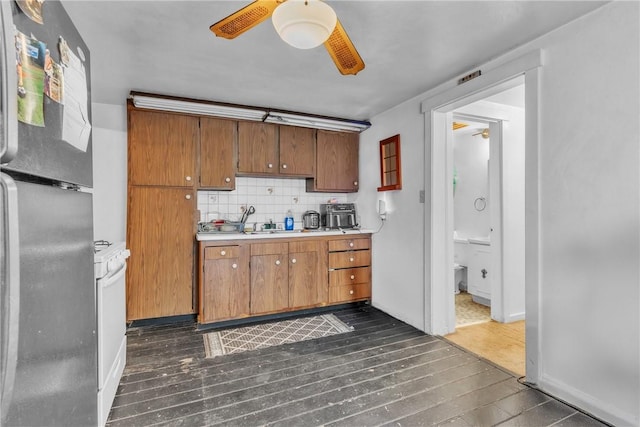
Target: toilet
(460,262)
(459,278)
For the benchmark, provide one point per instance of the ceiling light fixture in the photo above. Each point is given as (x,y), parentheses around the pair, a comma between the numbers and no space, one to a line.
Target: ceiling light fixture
(200,108)
(304,24)
(316,122)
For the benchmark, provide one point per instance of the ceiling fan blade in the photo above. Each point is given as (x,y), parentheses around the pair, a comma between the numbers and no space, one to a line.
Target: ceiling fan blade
(244,19)
(343,52)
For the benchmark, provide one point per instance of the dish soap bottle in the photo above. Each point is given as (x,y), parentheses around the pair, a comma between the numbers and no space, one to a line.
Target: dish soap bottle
(288,221)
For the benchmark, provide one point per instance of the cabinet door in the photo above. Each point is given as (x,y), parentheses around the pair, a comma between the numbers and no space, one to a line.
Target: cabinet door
(297,151)
(479,274)
(257,148)
(160,229)
(217,153)
(162,149)
(336,162)
(225,286)
(307,274)
(269,277)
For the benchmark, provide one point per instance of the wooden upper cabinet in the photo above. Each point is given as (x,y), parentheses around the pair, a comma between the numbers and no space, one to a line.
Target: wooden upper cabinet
(162,149)
(217,153)
(257,148)
(297,151)
(336,162)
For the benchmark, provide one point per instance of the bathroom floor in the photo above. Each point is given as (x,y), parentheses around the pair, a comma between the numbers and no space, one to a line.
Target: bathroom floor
(469,312)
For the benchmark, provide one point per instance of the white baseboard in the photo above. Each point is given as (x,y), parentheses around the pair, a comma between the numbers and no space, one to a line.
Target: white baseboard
(594,406)
(514,317)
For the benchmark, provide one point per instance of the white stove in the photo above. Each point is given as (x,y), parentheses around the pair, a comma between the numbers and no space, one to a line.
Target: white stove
(110,264)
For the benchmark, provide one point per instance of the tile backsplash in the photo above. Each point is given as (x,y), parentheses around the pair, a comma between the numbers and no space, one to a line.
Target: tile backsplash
(271,198)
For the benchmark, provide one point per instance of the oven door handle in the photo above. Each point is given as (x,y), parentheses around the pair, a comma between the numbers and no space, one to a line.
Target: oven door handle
(109,280)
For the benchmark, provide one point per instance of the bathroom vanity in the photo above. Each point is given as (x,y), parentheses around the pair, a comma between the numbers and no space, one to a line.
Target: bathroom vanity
(479,270)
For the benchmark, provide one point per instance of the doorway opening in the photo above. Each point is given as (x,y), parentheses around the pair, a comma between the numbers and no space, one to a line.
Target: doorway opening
(487,214)
(439,296)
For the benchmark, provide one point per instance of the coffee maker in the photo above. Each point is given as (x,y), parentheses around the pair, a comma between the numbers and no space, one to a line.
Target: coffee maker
(338,216)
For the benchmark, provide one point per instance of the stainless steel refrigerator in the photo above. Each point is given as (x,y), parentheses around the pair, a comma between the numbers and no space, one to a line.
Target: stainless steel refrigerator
(48,354)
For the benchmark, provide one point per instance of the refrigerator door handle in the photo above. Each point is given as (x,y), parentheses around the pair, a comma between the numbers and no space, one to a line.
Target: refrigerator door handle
(11,292)
(9,101)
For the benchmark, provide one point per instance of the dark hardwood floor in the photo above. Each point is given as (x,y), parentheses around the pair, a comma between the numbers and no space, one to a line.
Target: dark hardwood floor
(383,373)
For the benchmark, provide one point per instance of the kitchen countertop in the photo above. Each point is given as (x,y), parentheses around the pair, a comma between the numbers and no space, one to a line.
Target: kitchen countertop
(202,237)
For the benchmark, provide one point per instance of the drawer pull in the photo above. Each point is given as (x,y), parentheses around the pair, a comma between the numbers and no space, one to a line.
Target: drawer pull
(223,253)
(277,262)
(351,292)
(234,265)
(188,178)
(351,259)
(350,244)
(353,276)
(293,261)
(270,165)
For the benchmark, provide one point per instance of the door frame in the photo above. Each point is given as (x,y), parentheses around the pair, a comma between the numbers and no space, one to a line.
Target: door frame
(437,109)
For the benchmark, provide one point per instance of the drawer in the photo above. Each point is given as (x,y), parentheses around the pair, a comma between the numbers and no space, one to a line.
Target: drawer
(349,259)
(269,249)
(349,244)
(349,292)
(349,276)
(221,252)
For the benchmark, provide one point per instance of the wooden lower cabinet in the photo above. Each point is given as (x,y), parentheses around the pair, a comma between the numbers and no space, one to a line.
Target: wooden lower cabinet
(349,269)
(244,278)
(307,274)
(269,277)
(225,292)
(160,227)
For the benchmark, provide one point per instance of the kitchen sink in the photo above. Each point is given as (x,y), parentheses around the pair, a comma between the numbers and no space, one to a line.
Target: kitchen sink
(273,232)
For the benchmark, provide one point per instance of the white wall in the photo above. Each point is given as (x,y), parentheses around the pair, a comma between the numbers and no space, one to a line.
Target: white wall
(589,206)
(399,267)
(470,160)
(109,171)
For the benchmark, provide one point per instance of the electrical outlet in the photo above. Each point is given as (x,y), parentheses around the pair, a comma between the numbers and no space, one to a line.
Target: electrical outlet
(421,196)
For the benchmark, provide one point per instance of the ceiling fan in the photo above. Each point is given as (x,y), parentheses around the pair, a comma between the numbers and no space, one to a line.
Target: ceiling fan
(301,23)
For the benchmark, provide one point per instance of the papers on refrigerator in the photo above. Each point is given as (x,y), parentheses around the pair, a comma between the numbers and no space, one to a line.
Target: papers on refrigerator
(76,127)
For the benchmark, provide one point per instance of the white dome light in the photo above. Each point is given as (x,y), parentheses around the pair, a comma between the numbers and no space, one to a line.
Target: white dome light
(304,24)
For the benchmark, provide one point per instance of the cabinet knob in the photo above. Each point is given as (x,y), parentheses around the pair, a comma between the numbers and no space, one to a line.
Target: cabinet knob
(351,259)
(234,265)
(223,253)
(277,262)
(350,244)
(351,292)
(293,261)
(227,179)
(270,165)
(353,276)
(284,166)
(188,178)
(355,183)
(188,197)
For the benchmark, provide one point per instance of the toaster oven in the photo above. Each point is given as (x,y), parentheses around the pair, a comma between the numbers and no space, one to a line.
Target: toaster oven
(338,215)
